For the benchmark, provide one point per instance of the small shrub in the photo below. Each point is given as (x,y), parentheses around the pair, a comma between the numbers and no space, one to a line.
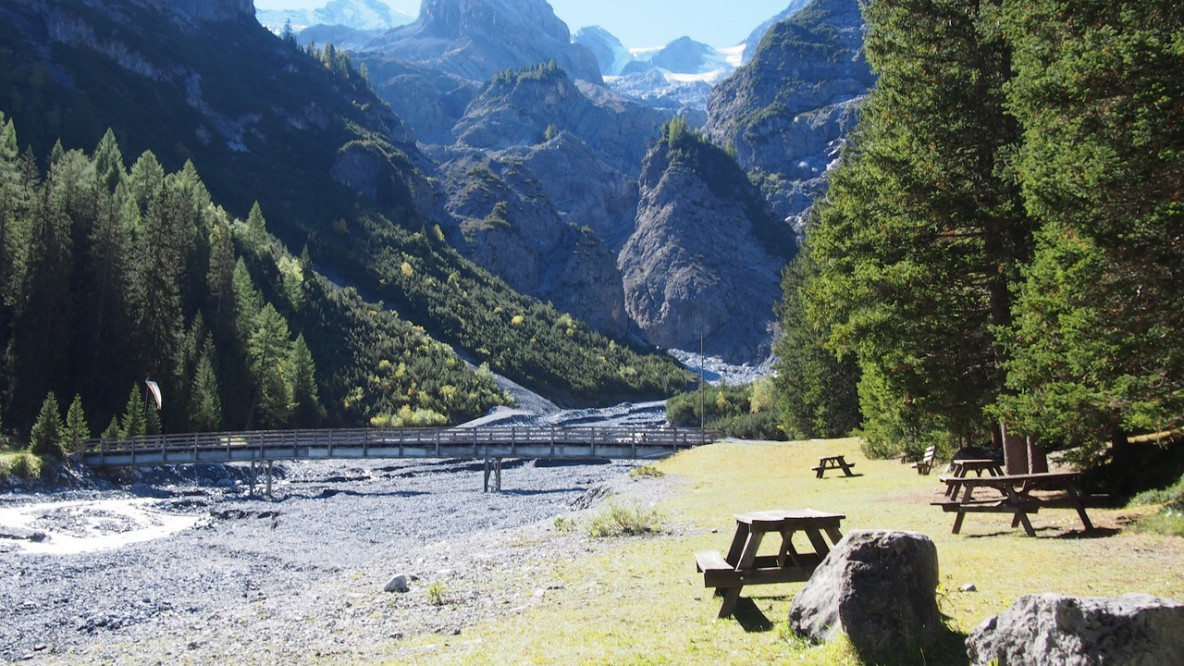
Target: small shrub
(25,465)
(436,594)
(646,472)
(1169,521)
(564,525)
(616,520)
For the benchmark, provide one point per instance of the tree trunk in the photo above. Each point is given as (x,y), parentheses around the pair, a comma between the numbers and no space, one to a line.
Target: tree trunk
(1015,452)
(1037,456)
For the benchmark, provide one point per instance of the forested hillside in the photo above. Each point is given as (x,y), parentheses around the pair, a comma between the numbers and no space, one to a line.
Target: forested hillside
(1002,245)
(112,276)
(337,176)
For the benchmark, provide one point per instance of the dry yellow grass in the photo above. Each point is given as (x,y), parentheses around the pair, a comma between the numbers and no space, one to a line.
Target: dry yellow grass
(642,602)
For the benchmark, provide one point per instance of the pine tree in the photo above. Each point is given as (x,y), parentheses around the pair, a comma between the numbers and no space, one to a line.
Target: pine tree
(922,237)
(269,352)
(77,430)
(307,404)
(206,404)
(816,392)
(41,300)
(1099,90)
(133,423)
(45,439)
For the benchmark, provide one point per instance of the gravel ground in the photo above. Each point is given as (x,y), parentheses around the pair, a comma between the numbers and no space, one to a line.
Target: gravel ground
(298,577)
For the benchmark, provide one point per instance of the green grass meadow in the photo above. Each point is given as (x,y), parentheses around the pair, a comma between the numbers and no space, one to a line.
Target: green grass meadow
(640,601)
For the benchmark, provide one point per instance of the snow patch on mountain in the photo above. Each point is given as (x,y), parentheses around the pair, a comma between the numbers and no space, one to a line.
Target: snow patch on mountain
(365,15)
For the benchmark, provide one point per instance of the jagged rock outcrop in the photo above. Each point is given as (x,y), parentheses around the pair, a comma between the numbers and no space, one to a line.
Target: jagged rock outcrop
(611,55)
(431,102)
(787,113)
(501,219)
(752,44)
(686,56)
(519,109)
(476,39)
(705,257)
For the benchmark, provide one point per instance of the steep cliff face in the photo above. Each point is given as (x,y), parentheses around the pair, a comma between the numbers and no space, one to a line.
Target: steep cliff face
(520,109)
(787,112)
(501,218)
(705,256)
(542,188)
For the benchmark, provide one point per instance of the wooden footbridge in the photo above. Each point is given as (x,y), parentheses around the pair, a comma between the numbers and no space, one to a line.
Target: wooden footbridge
(490,444)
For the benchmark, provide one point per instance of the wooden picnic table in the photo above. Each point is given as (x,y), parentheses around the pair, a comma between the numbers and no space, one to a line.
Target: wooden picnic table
(960,468)
(833,462)
(1012,493)
(728,574)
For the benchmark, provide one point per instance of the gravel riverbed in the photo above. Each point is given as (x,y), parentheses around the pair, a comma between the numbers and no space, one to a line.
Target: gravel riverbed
(299,576)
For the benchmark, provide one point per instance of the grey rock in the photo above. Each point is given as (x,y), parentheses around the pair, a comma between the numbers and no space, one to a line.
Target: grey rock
(398,584)
(1132,630)
(878,588)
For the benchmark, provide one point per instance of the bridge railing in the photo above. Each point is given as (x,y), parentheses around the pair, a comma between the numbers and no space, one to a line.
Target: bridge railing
(507,441)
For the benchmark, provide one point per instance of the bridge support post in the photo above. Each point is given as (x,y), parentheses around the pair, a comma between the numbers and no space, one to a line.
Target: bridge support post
(493,465)
(269,462)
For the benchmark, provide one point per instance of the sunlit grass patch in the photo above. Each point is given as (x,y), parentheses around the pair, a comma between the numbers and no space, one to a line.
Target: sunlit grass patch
(641,601)
(617,519)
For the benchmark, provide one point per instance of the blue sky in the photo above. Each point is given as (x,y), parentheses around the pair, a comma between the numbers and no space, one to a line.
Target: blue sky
(637,23)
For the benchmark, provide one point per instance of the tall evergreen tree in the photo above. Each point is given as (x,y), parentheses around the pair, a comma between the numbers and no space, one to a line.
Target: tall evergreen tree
(45,438)
(133,422)
(816,392)
(922,236)
(205,402)
(42,301)
(1099,89)
(269,351)
(76,430)
(305,395)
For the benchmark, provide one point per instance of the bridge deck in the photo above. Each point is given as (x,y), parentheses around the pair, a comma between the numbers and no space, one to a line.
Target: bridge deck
(476,443)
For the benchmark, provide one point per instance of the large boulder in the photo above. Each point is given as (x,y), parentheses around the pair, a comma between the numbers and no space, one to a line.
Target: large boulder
(878,588)
(1132,630)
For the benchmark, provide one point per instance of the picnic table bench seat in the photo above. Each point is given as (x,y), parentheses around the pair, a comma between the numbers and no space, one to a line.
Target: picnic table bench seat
(1011,494)
(925,464)
(832,462)
(742,565)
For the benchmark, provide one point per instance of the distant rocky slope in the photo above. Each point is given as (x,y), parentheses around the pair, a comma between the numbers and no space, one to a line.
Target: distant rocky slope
(706,253)
(550,180)
(541,188)
(786,114)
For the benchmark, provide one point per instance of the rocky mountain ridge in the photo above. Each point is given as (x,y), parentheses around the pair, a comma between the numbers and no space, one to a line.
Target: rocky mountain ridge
(542,174)
(787,113)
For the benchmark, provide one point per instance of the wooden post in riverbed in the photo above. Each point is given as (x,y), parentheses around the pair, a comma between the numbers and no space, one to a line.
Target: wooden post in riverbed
(496,465)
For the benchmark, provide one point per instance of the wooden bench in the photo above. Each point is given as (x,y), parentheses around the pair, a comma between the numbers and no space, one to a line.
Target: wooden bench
(833,462)
(926,462)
